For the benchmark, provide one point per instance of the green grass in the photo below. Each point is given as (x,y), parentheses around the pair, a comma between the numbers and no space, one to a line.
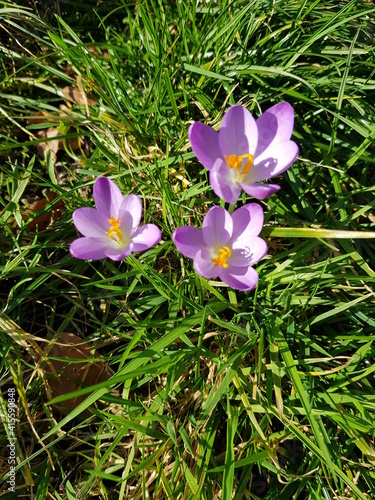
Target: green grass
(215,393)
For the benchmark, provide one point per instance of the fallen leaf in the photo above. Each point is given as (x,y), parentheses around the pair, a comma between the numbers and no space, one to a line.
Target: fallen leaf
(44,220)
(54,145)
(94,52)
(41,117)
(66,376)
(74,94)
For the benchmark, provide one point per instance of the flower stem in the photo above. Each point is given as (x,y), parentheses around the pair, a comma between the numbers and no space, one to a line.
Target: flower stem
(231,208)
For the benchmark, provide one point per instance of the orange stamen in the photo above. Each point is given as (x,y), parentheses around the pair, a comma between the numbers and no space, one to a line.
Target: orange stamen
(221,260)
(234,161)
(115,232)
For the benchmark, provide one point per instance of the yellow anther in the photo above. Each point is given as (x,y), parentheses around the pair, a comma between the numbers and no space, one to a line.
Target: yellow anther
(115,232)
(234,161)
(221,260)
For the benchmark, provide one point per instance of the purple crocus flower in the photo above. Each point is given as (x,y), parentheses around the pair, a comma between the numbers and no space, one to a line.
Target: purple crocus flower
(112,228)
(226,246)
(246,151)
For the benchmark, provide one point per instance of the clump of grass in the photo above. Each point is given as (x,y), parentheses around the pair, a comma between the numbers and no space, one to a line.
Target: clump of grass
(221,394)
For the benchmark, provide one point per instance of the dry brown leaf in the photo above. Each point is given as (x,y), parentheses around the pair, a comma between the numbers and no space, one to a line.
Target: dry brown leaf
(71,94)
(74,142)
(44,220)
(41,117)
(95,53)
(74,94)
(65,377)
(65,110)
(54,145)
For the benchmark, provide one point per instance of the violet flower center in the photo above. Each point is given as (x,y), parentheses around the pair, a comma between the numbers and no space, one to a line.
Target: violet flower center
(222,258)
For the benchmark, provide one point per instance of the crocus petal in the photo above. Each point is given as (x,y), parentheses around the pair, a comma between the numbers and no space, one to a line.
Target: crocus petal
(260,191)
(91,222)
(274,125)
(204,266)
(130,205)
(238,133)
(145,237)
(204,142)
(240,257)
(90,248)
(285,118)
(217,227)
(221,180)
(247,221)
(248,250)
(119,253)
(107,197)
(130,213)
(244,282)
(189,240)
(273,161)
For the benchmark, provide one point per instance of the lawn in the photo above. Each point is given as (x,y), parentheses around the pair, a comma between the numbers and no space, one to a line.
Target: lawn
(137,377)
